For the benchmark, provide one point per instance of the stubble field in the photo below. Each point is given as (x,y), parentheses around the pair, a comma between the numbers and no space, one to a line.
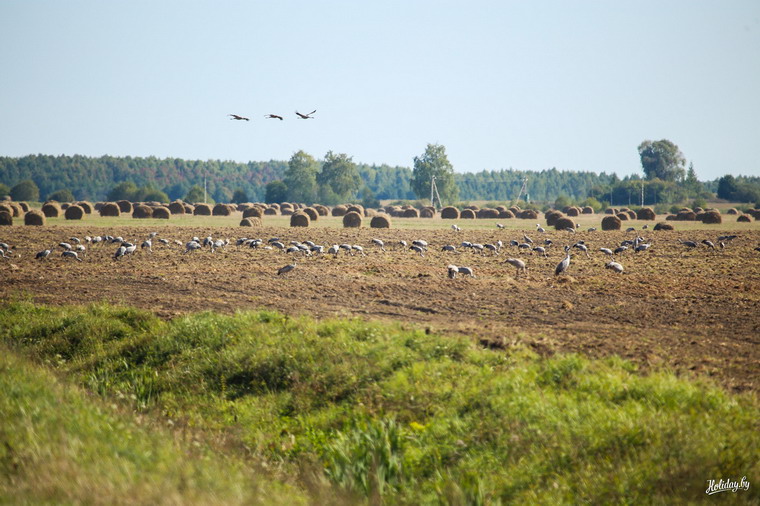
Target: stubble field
(693,311)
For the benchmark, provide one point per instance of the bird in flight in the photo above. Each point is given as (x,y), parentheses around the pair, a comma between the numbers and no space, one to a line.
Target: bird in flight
(273,116)
(306,116)
(235,116)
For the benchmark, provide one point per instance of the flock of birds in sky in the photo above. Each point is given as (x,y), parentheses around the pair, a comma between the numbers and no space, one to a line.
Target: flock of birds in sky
(309,115)
(74,247)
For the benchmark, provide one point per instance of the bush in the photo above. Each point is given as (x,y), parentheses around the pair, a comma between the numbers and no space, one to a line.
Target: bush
(25,190)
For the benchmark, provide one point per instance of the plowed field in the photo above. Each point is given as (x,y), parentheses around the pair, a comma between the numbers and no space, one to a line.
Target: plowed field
(694,311)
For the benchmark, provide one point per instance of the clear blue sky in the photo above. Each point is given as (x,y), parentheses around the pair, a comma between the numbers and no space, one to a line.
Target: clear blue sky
(528,85)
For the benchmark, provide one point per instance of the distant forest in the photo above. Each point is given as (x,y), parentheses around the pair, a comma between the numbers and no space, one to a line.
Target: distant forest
(91,178)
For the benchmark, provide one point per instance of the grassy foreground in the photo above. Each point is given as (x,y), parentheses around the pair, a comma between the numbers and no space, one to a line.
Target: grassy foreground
(259,406)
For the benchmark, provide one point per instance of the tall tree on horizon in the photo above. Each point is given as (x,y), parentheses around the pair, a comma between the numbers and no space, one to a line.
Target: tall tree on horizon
(434,162)
(662,160)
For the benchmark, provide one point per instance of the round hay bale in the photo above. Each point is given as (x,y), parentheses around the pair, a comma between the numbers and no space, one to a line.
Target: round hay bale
(515,210)
(24,206)
(6,218)
(369,213)
(322,210)
(253,212)
(355,208)
(698,210)
(125,206)
(271,211)
(468,214)
(177,207)
(202,210)
(528,214)
(142,211)
(631,214)
(663,226)
(623,216)
(51,210)
(670,217)
(501,208)
(450,213)
(98,205)
(755,213)
(506,214)
(162,213)
(189,208)
(352,220)
(411,213)
(16,209)
(552,217)
(274,205)
(286,211)
(610,210)
(74,212)
(686,210)
(250,222)
(472,207)
(286,205)
(744,218)
(563,223)
(339,210)
(686,215)
(611,222)
(6,208)
(732,210)
(299,219)
(313,214)
(588,210)
(87,207)
(34,217)
(110,209)
(646,213)
(427,212)
(711,217)
(220,210)
(573,211)
(487,213)
(380,221)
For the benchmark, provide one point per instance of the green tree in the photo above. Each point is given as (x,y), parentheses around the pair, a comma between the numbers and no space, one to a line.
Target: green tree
(434,163)
(151,194)
(4,190)
(195,195)
(368,198)
(63,195)
(126,190)
(26,190)
(339,172)
(301,177)
(727,187)
(662,159)
(239,196)
(561,202)
(276,192)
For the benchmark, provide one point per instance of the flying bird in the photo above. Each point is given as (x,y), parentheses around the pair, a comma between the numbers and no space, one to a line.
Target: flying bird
(306,116)
(274,116)
(235,116)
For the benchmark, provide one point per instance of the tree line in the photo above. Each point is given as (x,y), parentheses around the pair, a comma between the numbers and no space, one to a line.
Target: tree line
(337,178)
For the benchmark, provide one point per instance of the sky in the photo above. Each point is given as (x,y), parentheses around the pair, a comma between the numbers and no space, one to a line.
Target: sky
(501,84)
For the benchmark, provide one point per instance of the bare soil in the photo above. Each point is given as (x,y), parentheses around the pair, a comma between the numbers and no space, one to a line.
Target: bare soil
(693,311)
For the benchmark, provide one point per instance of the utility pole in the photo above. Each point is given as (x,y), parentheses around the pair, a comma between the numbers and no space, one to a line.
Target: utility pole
(434,194)
(205,200)
(642,193)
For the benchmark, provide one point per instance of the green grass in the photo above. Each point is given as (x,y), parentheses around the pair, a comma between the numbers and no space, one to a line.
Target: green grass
(379,410)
